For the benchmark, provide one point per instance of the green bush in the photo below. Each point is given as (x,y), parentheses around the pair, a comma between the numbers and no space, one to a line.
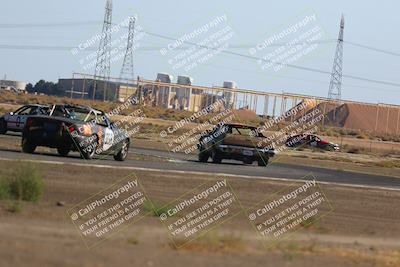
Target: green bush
(4,188)
(24,183)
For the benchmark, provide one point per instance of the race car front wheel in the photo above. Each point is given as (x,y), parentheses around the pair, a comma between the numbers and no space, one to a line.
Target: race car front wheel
(262,162)
(216,158)
(3,126)
(123,153)
(28,146)
(89,151)
(203,156)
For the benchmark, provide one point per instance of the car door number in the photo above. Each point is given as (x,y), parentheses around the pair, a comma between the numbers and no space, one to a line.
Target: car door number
(108,139)
(18,122)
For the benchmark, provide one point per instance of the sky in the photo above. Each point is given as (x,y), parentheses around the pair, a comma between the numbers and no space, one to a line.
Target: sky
(37,40)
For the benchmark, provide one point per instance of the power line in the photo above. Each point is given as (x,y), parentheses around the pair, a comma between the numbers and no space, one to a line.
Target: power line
(374,49)
(278,63)
(88,23)
(69,48)
(63,48)
(46,25)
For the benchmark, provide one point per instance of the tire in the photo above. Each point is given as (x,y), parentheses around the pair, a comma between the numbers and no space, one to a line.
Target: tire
(215,157)
(123,152)
(63,151)
(87,153)
(3,126)
(203,157)
(28,146)
(263,162)
(247,161)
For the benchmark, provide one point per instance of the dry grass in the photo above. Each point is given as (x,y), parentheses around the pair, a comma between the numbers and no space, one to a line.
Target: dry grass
(212,241)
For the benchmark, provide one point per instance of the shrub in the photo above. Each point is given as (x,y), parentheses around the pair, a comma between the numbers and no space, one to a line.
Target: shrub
(362,136)
(354,150)
(24,183)
(14,207)
(156,208)
(4,188)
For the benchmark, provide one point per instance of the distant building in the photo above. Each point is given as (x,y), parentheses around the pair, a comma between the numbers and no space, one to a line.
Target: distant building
(15,86)
(182,95)
(83,88)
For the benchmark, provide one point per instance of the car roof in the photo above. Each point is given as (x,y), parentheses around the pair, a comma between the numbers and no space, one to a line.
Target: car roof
(37,105)
(240,125)
(80,107)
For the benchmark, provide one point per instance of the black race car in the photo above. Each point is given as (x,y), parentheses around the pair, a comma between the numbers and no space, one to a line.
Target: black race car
(310,140)
(75,128)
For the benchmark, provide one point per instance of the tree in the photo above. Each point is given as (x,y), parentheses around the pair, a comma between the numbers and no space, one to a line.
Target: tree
(29,88)
(47,88)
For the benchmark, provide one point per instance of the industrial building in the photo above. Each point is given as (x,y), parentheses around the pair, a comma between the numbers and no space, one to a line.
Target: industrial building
(182,95)
(81,86)
(15,86)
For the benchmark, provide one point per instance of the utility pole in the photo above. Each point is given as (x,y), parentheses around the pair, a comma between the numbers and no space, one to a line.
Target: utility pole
(335,86)
(127,71)
(103,63)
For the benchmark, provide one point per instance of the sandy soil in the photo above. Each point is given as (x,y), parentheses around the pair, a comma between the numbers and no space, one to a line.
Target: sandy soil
(363,229)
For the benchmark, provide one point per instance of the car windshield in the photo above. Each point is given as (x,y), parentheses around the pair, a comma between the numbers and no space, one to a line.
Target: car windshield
(75,113)
(78,113)
(241,131)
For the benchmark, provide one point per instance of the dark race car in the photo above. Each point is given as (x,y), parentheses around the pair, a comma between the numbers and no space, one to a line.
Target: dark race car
(234,141)
(75,128)
(15,121)
(310,140)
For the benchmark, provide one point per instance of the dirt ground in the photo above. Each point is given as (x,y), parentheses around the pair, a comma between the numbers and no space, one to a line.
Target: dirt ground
(362,229)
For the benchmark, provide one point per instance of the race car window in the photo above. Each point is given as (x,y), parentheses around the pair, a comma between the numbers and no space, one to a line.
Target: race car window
(21,109)
(77,114)
(103,120)
(26,111)
(241,131)
(57,111)
(91,117)
(43,110)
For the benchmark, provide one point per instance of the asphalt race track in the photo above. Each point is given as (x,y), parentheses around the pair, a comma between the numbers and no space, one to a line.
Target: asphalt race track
(182,162)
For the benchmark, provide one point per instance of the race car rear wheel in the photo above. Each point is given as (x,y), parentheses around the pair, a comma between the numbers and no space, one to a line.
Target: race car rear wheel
(3,126)
(248,161)
(263,162)
(216,158)
(63,151)
(203,156)
(28,146)
(123,153)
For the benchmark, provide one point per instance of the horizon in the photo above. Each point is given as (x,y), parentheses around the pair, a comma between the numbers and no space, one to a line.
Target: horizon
(52,39)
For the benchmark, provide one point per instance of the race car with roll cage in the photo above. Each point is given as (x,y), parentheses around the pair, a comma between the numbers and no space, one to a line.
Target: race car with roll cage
(15,121)
(234,141)
(310,140)
(75,128)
